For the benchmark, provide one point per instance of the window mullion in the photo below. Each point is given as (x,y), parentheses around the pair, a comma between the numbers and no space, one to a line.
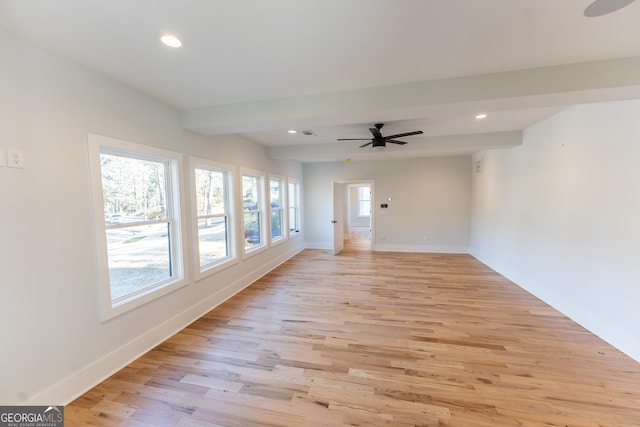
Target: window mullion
(137,224)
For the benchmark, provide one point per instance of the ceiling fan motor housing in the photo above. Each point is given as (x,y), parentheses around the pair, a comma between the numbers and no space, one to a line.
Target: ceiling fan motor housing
(379,143)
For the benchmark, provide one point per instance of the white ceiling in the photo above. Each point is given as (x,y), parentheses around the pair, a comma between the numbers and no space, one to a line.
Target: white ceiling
(258,68)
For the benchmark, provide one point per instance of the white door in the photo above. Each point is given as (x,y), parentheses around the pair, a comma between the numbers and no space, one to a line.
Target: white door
(338,226)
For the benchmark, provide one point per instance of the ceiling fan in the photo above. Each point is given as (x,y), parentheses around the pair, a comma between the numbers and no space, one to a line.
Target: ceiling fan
(379,141)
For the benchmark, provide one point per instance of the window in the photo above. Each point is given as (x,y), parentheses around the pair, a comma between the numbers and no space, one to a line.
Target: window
(294,207)
(138,229)
(253,207)
(213,227)
(364,197)
(276,207)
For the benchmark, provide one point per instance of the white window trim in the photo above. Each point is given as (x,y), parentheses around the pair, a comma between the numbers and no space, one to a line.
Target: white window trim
(230,205)
(293,235)
(284,207)
(262,187)
(96,145)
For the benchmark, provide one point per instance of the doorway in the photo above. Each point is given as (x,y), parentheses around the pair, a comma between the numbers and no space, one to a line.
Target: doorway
(353,205)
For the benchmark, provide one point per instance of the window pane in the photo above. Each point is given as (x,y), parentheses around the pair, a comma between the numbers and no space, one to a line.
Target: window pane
(364,196)
(133,189)
(251,229)
(364,193)
(293,219)
(250,193)
(210,192)
(276,223)
(294,207)
(138,257)
(293,194)
(365,208)
(276,192)
(213,239)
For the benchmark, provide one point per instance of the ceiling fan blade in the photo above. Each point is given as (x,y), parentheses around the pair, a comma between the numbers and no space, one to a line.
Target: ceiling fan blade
(603,7)
(400,135)
(375,132)
(368,143)
(354,139)
(396,142)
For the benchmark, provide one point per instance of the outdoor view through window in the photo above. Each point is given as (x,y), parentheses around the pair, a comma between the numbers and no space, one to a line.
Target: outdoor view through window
(276,208)
(252,211)
(137,226)
(213,221)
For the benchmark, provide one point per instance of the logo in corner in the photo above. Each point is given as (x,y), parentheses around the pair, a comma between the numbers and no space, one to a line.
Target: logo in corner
(32,416)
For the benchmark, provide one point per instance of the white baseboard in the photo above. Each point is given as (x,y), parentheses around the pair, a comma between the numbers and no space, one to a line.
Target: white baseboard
(604,329)
(70,388)
(609,332)
(421,248)
(318,245)
(399,248)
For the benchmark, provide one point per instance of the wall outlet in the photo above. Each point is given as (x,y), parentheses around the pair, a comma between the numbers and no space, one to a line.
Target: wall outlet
(15,158)
(3,157)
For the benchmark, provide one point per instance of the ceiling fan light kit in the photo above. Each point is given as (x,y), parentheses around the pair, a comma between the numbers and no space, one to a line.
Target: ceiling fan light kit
(378,141)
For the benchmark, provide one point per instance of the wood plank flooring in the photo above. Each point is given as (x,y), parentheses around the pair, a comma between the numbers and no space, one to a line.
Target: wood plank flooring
(374,339)
(359,239)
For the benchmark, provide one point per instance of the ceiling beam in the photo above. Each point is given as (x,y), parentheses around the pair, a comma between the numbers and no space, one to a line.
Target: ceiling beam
(607,80)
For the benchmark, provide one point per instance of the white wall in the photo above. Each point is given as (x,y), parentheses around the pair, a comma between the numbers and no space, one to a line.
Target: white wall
(560,216)
(429,211)
(54,345)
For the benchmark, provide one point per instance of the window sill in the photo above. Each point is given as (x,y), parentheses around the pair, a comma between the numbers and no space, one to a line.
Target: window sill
(278,241)
(111,310)
(255,250)
(214,268)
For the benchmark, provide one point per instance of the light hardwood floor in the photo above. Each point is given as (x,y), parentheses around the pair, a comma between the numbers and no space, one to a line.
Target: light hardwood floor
(374,339)
(359,239)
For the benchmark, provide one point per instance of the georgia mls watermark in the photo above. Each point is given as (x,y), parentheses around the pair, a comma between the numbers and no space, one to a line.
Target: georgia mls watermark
(31,416)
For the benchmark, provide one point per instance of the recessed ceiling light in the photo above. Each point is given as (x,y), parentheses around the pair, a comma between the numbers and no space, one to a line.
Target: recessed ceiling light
(171,41)
(604,7)
(292,131)
(481,116)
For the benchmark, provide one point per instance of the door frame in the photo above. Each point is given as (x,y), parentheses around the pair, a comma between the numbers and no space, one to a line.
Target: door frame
(337,217)
(351,205)
(345,184)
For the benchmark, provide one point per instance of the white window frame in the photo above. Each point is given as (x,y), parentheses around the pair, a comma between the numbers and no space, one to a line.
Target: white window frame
(261,210)
(293,201)
(98,145)
(283,208)
(230,177)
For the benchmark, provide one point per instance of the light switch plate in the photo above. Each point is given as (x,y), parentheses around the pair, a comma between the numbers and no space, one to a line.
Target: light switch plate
(3,157)
(15,158)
